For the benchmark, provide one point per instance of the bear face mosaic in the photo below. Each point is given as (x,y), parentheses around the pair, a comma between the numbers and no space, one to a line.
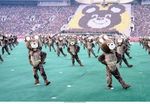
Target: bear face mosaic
(94,17)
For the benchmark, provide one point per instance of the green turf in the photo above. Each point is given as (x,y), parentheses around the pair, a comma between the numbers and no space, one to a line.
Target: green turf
(88,83)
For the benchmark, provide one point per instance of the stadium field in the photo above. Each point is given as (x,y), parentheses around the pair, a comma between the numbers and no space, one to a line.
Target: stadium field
(72,83)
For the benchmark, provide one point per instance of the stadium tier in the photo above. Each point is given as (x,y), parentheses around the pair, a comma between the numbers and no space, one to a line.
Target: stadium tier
(20,20)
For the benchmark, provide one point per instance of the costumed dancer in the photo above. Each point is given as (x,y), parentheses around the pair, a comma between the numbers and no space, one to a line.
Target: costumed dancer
(127,43)
(5,45)
(73,49)
(111,58)
(59,44)
(90,45)
(121,48)
(51,43)
(36,59)
(1,37)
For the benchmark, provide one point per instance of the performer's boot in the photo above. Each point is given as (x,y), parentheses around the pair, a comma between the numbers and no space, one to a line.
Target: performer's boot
(126,62)
(124,85)
(37,82)
(47,82)
(80,63)
(95,56)
(118,77)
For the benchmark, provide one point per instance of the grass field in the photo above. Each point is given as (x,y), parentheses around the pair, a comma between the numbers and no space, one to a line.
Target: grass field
(72,84)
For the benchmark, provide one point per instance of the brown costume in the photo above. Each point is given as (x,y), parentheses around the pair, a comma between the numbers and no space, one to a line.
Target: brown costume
(5,45)
(90,46)
(51,43)
(59,44)
(1,37)
(121,49)
(110,58)
(73,49)
(36,58)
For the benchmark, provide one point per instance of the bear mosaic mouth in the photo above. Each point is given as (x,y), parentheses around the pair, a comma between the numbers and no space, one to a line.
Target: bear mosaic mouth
(100,22)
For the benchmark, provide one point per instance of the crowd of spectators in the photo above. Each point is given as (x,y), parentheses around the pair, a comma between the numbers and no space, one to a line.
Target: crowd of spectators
(20,20)
(141,14)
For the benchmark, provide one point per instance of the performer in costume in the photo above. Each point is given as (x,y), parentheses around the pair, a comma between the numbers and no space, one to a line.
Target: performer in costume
(59,44)
(111,58)
(37,59)
(121,48)
(90,45)
(73,49)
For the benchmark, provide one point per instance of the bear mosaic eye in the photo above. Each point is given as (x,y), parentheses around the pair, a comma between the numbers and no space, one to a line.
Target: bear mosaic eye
(115,10)
(108,15)
(95,16)
(90,10)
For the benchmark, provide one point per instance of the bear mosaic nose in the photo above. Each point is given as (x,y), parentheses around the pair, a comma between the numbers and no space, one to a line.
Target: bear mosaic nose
(100,18)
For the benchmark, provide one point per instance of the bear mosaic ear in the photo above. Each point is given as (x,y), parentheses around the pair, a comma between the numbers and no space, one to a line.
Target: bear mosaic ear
(116,8)
(90,9)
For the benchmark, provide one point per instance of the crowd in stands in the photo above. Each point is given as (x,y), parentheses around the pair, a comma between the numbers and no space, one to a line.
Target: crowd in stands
(21,20)
(141,20)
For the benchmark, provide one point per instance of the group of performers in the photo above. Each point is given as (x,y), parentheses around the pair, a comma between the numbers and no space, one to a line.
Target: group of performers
(7,43)
(114,52)
(145,42)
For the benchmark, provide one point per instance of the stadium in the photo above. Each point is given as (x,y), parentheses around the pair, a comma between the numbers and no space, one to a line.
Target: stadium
(74,50)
